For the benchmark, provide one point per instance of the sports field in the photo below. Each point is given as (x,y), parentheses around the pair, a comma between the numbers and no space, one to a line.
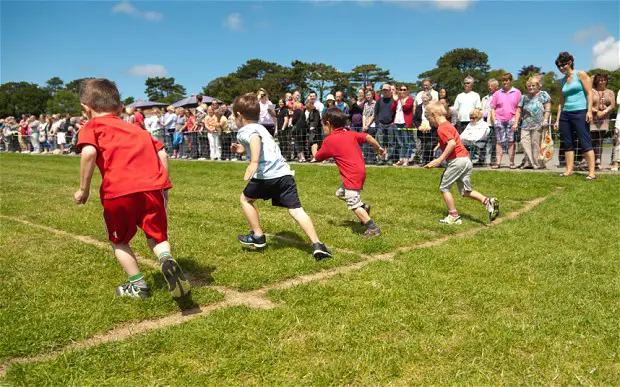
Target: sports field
(531,299)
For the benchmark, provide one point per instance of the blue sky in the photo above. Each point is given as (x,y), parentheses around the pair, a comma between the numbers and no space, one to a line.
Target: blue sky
(196,42)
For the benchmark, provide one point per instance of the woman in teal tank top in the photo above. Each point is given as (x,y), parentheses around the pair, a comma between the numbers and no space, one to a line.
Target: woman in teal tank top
(574,112)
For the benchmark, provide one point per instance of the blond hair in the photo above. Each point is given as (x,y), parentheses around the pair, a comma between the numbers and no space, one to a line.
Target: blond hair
(475,114)
(533,81)
(435,107)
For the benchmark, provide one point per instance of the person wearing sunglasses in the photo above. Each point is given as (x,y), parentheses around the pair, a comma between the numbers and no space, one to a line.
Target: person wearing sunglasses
(384,117)
(574,111)
(465,102)
(403,117)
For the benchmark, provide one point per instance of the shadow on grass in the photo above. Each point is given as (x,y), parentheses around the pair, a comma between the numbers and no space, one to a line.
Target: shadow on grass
(472,219)
(354,225)
(294,240)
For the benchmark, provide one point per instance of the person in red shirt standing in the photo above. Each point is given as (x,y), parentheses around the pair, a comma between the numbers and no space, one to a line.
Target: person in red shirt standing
(134,186)
(344,146)
(459,166)
(138,118)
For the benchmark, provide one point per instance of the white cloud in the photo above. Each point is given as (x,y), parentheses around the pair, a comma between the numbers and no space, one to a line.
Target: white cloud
(453,5)
(595,32)
(148,70)
(606,54)
(448,5)
(128,8)
(233,22)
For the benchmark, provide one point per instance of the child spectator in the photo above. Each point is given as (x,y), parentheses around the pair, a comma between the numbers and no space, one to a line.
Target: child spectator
(459,166)
(270,176)
(134,187)
(344,146)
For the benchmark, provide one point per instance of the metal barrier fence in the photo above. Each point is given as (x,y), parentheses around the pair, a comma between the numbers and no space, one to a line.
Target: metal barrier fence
(405,147)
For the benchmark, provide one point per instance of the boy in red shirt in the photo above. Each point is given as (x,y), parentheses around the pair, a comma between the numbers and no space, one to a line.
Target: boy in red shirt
(134,187)
(344,146)
(459,166)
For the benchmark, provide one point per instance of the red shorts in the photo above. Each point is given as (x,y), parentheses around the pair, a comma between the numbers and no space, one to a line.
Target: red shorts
(147,210)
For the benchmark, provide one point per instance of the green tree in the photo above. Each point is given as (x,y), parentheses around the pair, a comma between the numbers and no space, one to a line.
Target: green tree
(528,70)
(76,84)
(454,66)
(22,98)
(129,101)
(164,89)
(64,101)
(369,73)
(321,78)
(54,85)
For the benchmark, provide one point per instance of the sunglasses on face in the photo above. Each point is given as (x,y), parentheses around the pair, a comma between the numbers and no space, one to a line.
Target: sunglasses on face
(386,90)
(403,89)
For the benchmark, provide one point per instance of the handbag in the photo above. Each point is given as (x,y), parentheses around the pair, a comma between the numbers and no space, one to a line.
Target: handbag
(177,138)
(546,146)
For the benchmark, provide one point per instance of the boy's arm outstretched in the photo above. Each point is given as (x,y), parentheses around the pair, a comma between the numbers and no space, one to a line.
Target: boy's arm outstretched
(375,144)
(87,167)
(444,155)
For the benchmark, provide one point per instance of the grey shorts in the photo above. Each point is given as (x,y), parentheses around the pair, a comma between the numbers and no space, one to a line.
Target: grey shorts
(459,171)
(352,197)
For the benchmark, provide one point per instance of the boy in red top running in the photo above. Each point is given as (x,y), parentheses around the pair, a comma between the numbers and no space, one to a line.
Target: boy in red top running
(459,166)
(344,146)
(134,187)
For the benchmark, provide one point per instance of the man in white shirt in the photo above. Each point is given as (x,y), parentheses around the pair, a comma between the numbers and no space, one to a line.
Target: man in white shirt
(465,102)
(426,86)
(317,104)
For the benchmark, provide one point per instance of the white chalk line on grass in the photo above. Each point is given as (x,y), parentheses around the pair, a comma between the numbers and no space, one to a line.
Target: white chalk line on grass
(256,299)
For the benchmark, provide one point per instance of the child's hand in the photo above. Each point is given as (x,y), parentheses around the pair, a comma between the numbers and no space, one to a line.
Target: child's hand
(433,164)
(250,171)
(234,147)
(381,152)
(80,196)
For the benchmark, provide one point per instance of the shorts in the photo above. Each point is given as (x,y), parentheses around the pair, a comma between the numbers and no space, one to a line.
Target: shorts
(282,191)
(352,197)
(61,138)
(147,210)
(572,128)
(503,131)
(459,171)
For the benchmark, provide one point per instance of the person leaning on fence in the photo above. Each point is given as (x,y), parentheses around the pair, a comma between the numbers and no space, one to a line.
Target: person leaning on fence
(213,134)
(309,127)
(385,123)
(134,187)
(503,109)
(459,167)
(475,135)
(574,112)
(180,127)
(427,134)
(283,129)
(402,108)
(270,177)
(533,112)
(344,146)
(493,86)
(603,102)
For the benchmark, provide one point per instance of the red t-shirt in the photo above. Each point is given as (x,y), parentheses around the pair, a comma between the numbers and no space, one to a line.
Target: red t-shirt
(344,146)
(126,157)
(447,132)
(138,119)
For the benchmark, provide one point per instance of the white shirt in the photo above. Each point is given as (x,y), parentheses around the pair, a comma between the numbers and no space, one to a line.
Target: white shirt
(418,97)
(271,164)
(319,105)
(399,118)
(465,103)
(265,118)
(475,132)
(151,123)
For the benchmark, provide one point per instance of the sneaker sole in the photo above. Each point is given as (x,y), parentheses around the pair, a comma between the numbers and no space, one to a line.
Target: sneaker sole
(320,254)
(495,213)
(178,285)
(257,245)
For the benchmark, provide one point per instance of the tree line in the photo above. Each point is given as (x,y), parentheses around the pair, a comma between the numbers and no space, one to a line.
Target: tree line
(451,68)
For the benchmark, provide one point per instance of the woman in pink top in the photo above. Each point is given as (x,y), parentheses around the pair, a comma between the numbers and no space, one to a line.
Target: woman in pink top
(503,110)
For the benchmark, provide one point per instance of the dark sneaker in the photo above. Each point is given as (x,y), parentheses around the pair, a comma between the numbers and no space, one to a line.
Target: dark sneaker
(178,285)
(493,209)
(133,291)
(366,207)
(252,240)
(372,232)
(319,251)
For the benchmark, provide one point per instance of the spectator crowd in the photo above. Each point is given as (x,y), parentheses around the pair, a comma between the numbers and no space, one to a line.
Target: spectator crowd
(492,126)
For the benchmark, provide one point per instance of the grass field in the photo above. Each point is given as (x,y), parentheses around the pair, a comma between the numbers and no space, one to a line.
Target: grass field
(531,300)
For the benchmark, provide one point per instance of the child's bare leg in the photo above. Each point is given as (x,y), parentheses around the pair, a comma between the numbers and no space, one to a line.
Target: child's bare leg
(475,195)
(159,249)
(362,215)
(125,256)
(304,222)
(449,200)
(251,214)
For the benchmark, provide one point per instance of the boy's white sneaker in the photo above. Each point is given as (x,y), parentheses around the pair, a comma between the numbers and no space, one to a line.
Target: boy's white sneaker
(493,209)
(451,220)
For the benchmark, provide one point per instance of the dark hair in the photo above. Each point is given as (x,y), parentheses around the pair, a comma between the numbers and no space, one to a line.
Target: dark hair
(335,117)
(101,95)
(312,92)
(199,98)
(563,58)
(598,77)
(507,77)
(248,106)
